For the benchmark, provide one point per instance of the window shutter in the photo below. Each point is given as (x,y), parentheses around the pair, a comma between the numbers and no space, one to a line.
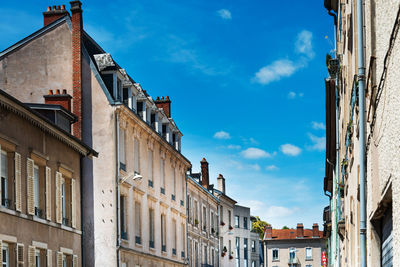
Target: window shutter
(59,259)
(20,255)
(1,249)
(48,193)
(58,198)
(49,258)
(75,261)
(73,203)
(18,191)
(31,256)
(1,193)
(30,191)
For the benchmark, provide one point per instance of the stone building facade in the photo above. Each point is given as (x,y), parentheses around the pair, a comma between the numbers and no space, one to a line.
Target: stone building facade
(40,191)
(293,247)
(109,106)
(203,220)
(381,158)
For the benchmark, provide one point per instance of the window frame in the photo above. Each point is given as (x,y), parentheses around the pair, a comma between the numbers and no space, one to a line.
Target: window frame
(308,249)
(277,251)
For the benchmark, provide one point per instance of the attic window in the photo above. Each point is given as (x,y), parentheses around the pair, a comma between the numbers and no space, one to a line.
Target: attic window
(153,121)
(119,90)
(140,109)
(164,131)
(125,96)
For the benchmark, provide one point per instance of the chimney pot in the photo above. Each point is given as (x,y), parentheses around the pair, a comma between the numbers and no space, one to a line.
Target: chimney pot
(63,100)
(62,7)
(315,230)
(221,183)
(300,230)
(268,232)
(54,7)
(205,180)
(64,91)
(158,98)
(50,92)
(58,91)
(167,97)
(48,8)
(162,98)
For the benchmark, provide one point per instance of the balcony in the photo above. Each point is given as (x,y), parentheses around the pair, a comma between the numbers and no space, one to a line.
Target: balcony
(150,183)
(138,240)
(293,261)
(124,235)
(174,251)
(151,244)
(6,203)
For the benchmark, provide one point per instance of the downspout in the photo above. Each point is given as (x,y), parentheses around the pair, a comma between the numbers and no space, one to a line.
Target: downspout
(117,186)
(361,101)
(83,240)
(187,225)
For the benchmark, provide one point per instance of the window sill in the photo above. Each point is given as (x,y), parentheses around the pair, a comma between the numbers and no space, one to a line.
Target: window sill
(276,260)
(310,259)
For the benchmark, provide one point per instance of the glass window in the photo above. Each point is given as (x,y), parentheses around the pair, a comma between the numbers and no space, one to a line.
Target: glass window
(5,261)
(36,189)
(245,222)
(237,247)
(308,253)
(136,156)
(4,179)
(163,234)
(121,140)
(138,223)
(150,165)
(245,250)
(237,221)
(151,228)
(229,217)
(122,219)
(275,254)
(253,246)
(292,253)
(162,173)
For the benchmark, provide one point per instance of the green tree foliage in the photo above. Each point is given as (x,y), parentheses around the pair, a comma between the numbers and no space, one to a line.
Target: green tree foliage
(258,226)
(285,227)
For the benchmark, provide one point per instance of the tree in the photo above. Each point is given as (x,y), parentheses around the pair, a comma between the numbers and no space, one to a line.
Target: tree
(285,227)
(258,226)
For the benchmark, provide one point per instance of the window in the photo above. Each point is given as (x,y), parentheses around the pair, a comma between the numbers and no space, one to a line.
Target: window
(245,222)
(151,228)
(174,237)
(5,261)
(124,234)
(66,200)
(253,263)
(308,253)
(204,218)
(212,223)
(238,248)
(162,175)
(245,248)
(196,213)
(136,155)
(122,162)
(163,234)
(205,255)
(245,263)
(292,254)
(275,254)
(173,183)
(253,245)
(308,265)
(229,218)
(183,240)
(237,221)
(150,167)
(138,223)
(230,247)
(40,257)
(183,188)
(221,214)
(5,202)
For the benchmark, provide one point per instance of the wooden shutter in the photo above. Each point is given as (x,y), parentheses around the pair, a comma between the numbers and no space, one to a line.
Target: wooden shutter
(59,259)
(31,256)
(75,261)
(49,258)
(30,190)
(20,255)
(1,193)
(73,203)
(58,198)
(18,190)
(1,248)
(48,193)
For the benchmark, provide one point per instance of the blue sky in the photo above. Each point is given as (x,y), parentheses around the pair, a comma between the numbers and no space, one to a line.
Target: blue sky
(246,83)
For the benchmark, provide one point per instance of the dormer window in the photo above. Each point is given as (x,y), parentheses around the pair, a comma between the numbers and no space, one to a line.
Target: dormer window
(164,131)
(153,121)
(119,90)
(140,109)
(126,97)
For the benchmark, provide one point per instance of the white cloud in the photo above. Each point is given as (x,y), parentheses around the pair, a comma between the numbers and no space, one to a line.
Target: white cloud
(318,142)
(279,211)
(304,44)
(271,168)
(268,213)
(222,135)
(290,150)
(293,95)
(318,125)
(255,153)
(224,13)
(234,147)
(255,167)
(275,71)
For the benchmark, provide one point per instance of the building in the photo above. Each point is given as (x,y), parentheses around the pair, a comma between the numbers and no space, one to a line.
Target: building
(126,221)
(293,247)
(255,249)
(362,106)
(242,230)
(40,163)
(203,235)
(226,236)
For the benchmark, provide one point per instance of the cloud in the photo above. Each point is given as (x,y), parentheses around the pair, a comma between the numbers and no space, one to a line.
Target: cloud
(255,167)
(266,212)
(304,44)
(279,211)
(283,68)
(275,71)
(318,142)
(293,95)
(290,150)
(271,168)
(255,153)
(225,14)
(318,125)
(234,147)
(222,135)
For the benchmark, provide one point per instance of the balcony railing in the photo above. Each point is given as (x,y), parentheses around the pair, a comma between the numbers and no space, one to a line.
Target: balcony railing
(6,203)
(124,235)
(151,244)
(138,240)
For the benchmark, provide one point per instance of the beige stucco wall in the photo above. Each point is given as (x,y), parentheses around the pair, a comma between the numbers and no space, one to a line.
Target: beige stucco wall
(226,234)
(197,235)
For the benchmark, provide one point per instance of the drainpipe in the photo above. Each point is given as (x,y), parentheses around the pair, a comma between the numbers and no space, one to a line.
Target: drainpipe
(187,214)
(117,186)
(361,101)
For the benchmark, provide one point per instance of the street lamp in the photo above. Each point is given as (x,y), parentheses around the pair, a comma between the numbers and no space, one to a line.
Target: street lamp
(134,175)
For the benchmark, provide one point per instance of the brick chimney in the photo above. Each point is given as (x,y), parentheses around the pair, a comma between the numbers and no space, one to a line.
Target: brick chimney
(205,181)
(221,183)
(268,232)
(300,230)
(77,29)
(315,230)
(53,13)
(57,98)
(165,104)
